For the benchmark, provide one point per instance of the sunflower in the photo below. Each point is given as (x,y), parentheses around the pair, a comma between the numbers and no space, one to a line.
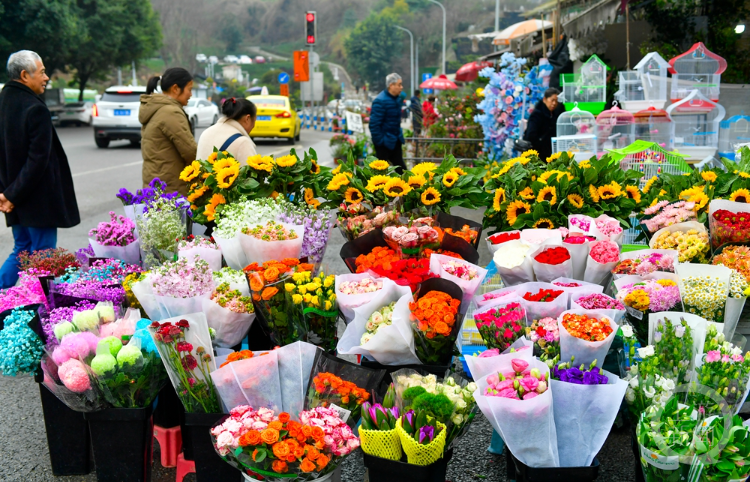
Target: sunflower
(458,171)
(315,168)
(224,163)
(499,198)
(309,194)
(226,177)
(708,176)
(633,193)
(377,182)
(379,165)
(337,181)
(557,155)
(353,195)
(594,193)
(740,196)
(544,223)
(650,183)
(529,153)
(700,200)
(286,161)
(337,170)
(212,157)
(744,175)
(527,193)
(545,177)
(191,171)
(449,179)
(584,164)
(610,191)
(576,200)
(396,187)
(515,209)
(424,168)
(210,212)
(417,181)
(430,196)
(260,163)
(217,199)
(193,196)
(549,194)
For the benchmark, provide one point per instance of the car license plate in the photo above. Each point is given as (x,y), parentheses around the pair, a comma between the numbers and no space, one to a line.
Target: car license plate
(264,117)
(122,111)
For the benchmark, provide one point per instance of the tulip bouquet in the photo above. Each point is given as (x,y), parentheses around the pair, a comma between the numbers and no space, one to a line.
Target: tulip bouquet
(501,325)
(377,432)
(422,437)
(518,384)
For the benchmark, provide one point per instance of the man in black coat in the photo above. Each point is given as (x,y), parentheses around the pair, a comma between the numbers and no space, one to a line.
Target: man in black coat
(385,123)
(36,187)
(542,124)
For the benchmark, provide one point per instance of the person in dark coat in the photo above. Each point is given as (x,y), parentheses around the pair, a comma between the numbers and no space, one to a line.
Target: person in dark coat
(415,105)
(36,187)
(542,124)
(385,123)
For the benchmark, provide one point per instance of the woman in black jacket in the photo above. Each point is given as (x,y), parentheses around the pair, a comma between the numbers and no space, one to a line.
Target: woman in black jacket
(542,124)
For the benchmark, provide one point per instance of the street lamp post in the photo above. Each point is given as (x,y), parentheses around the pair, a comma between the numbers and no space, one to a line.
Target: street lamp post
(411,65)
(441,6)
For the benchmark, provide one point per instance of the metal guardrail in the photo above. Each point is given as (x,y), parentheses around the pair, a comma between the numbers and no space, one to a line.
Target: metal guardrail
(430,149)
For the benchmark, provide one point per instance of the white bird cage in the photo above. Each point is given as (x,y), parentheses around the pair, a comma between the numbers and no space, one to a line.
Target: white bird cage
(732,133)
(614,128)
(576,133)
(695,126)
(588,88)
(698,68)
(654,125)
(631,95)
(652,69)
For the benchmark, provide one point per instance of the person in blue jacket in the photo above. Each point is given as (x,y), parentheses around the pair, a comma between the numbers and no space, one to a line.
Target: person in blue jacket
(385,123)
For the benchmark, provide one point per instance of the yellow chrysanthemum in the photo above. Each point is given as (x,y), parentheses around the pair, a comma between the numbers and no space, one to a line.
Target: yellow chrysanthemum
(309,194)
(529,153)
(708,176)
(527,193)
(191,171)
(610,191)
(379,165)
(498,199)
(417,181)
(449,179)
(594,193)
(458,171)
(337,181)
(226,177)
(430,196)
(515,209)
(740,196)
(225,163)
(286,161)
(353,195)
(193,196)
(544,223)
(314,168)
(548,194)
(633,193)
(650,183)
(396,187)
(576,200)
(377,182)
(423,168)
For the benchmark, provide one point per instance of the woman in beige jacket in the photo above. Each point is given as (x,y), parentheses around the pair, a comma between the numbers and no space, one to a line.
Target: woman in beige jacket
(231,133)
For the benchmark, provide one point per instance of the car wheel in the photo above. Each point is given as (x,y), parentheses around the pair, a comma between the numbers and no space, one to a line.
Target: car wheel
(193,125)
(102,142)
(216,119)
(290,141)
(78,124)
(299,133)
(135,142)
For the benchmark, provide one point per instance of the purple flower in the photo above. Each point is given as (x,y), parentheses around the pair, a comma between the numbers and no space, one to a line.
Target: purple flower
(426,434)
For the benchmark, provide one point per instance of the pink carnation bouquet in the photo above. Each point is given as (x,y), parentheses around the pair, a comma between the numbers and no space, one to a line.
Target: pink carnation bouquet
(367,285)
(460,270)
(500,326)
(664,214)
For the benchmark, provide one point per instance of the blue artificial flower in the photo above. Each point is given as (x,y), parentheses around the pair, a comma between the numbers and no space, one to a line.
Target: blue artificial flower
(20,348)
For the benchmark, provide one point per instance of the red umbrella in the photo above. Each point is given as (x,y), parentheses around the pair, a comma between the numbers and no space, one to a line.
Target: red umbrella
(440,82)
(469,72)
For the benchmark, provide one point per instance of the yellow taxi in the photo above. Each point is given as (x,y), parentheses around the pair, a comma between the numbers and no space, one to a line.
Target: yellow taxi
(276,117)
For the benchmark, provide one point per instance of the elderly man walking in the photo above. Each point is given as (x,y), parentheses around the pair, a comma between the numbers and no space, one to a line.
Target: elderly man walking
(385,123)
(36,187)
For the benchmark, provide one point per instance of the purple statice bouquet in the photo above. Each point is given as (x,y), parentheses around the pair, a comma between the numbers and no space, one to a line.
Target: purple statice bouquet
(60,315)
(317,224)
(182,278)
(119,231)
(148,196)
(102,281)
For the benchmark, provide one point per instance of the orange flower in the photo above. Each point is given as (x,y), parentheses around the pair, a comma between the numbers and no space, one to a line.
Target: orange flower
(256,283)
(435,313)
(305,267)
(281,450)
(253,437)
(291,262)
(269,293)
(442,329)
(270,436)
(322,461)
(284,417)
(307,466)
(271,275)
(312,452)
(307,431)
(252,267)
(255,453)
(318,434)
(276,425)
(280,467)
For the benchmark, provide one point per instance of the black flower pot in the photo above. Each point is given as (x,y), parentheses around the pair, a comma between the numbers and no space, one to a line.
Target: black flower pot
(67,436)
(384,470)
(524,473)
(208,465)
(446,220)
(123,442)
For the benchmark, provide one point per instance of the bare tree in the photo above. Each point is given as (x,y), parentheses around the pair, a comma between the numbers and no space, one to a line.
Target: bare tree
(182,25)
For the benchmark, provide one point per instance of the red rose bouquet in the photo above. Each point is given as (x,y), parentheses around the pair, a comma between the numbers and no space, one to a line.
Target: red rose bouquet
(552,262)
(543,296)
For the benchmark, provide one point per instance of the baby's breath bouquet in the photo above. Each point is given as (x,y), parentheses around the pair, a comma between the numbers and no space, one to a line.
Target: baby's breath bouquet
(159,229)
(317,297)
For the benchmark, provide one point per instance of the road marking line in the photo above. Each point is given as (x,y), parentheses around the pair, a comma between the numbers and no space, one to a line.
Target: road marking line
(285,150)
(104,169)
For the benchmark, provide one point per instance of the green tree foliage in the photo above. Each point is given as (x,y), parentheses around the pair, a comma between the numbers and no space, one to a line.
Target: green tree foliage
(231,32)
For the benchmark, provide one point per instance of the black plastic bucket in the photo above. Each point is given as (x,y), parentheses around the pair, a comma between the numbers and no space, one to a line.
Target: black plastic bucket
(384,470)
(208,465)
(67,436)
(552,474)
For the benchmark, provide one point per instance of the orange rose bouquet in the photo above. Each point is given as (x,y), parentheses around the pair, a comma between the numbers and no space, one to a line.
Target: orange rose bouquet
(435,320)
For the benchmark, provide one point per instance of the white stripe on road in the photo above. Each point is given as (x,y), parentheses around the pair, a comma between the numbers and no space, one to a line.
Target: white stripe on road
(104,169)
(285,150)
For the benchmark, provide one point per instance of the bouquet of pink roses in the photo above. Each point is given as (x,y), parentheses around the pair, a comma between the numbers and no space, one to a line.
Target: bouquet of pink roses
(410,239)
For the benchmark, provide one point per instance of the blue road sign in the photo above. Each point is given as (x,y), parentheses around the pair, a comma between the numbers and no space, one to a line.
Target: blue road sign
(283,78)
(427,77)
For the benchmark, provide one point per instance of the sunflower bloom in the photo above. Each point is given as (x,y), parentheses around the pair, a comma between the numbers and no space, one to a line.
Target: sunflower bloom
(544,223)
(379,165)
(548,194)
(353,195)
(210,212)
(740,196)
(527,193)
(416,181)
(708,176)
(594,193)
(315,168)
(337,181)
(576,200)
(309,194)
(430,196)
(396,187)
(529,153)
(191,171)
(610,191)
(286,161)
(226,177)
(515,209)
(217,199)
(377,183)
(633,193)
(224,164)
(337,170)
(650,183)
(499,198)
(458,171)
(449,179)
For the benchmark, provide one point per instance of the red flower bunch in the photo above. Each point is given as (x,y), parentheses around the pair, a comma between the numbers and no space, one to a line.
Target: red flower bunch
(53,261)
(501,326)
(578,239)
(429,252)
(543,296)
(407,272)
(556,255)
(729,227)
(501,238)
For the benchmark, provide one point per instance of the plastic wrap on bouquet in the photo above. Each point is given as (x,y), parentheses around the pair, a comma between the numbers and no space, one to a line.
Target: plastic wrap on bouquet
(684,227)
(614,237)
(468,287)
(584,415)
(596,272)
(144,292)
(526,426)
(642,253)
(492,247)
(580,223)
(732,315)
(279,316)
(254,381)
(363,245)
(616,315)
(536,310)
(720,275)
(579,254)
(322,327)
(347,302)
(230,327)
(295,365)
(725,227)
(545,272)
(585,287)
(82,396)
(130,254)
(259,251)
(492,297)
(456,223)
(480,367)
(536,237)
(209,255)
(522,273)
(585,352)
(171,306)
(232,252)
(437,350)
(501,323)
(698,327)
(124,326)
(132,211)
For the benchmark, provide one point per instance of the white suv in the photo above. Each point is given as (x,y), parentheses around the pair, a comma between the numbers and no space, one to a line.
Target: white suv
(115,115)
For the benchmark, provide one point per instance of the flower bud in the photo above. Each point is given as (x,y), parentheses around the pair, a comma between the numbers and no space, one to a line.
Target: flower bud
(536,373)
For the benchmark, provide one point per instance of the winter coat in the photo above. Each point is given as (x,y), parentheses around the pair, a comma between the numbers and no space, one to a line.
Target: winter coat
(542,127)
(34,171)
(385,121)
(216,135)
(166,141)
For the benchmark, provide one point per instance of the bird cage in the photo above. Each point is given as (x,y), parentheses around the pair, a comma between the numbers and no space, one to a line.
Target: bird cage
(652,70)
(733,132)
(614,128)
(653,125)
(576,133)
(695,126)
(588,88)
(631,95)
(698,68)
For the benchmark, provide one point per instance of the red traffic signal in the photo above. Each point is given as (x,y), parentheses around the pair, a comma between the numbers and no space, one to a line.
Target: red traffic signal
(310,27)
(310,17)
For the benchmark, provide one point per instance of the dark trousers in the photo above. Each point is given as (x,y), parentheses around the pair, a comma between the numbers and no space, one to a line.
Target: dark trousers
(395,156)
(25,239)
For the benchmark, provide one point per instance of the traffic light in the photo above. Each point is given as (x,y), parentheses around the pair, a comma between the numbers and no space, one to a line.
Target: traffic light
(311,32)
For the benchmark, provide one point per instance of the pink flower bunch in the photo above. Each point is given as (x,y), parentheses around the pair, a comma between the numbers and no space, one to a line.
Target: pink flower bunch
(578,239)
(120,231)
(367,285)
(419,232)
(28,291)
(642,266)
(460,270)
(73,375)
(339,437)
(663,295)
(598,301)
(605,252)
(496,352)
(494,296)
(715,356)
(545,329)
(181,279)
(241,419)
(567,285)
(669,214)
(582,223)
(498,316)
(608,226)
(520,384)
(196,242)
